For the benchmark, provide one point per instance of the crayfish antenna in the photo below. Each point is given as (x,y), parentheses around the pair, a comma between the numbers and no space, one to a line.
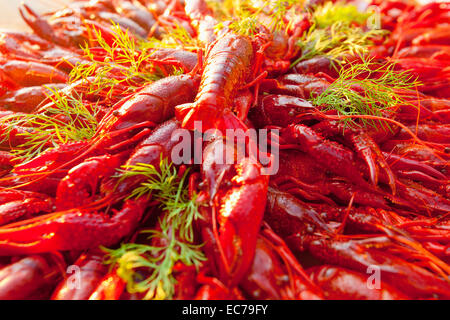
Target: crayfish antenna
(74,229)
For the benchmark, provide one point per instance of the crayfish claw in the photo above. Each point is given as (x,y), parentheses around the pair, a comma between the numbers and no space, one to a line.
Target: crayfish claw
(39,25)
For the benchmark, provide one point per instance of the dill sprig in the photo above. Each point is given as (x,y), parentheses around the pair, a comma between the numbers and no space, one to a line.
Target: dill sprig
(175,37)
(246,25)
(365,88)
(243,17)
(336,41)
(329,13)
(157,260)
(66,118)
(167,188)
(338,30)
(125,62)
(278,11)
(238,16)
(176,234)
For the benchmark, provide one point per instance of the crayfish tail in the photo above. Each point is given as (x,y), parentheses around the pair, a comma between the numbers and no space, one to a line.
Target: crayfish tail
(203,119)
(229,121)
(194,118)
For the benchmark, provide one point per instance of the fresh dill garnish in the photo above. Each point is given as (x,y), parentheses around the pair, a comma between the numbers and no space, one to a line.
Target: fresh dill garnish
(177,234)
(126,62)
(278,11)
(365,88)
(329,13)
(168,188)
(246,25)
(243,17)
(175,37)
(66,118)
(336,41)
(338,29)
(238,16)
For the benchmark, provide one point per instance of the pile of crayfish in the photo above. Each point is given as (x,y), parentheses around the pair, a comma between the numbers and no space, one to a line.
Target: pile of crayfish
(346,197)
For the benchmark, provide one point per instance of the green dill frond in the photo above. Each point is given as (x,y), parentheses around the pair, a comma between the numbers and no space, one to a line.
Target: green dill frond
(329,13)
(243,16)
(168,188)
(336,41)
(67,118)
(127,62)
(279,9)
(246,25)
(179,36)
(365,88)
(175,37)
(162,180)
(338,30)
(157,262)
(238,16)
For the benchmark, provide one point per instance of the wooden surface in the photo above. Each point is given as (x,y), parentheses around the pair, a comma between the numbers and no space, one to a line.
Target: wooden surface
(9,13)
